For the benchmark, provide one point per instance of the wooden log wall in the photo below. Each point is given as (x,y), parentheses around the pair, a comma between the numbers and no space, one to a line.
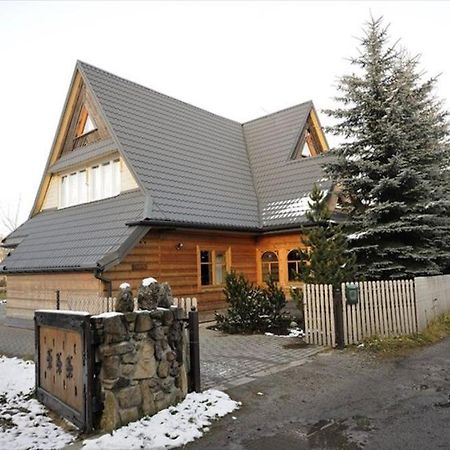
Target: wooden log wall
(157,256)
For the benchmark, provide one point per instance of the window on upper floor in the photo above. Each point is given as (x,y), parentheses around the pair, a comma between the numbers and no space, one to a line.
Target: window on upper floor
(85,123)
(87,185)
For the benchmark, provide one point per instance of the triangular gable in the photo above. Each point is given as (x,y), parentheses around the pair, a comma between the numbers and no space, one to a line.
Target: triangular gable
(312,141)
(82,123)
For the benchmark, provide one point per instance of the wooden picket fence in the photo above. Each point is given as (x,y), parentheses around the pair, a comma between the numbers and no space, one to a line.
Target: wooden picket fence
(319,315)
(385,308)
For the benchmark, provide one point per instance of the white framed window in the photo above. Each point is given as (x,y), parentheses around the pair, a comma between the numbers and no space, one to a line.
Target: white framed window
(87,185)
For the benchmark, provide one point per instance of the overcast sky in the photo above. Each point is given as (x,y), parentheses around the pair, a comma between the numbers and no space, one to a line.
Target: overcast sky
(237,59)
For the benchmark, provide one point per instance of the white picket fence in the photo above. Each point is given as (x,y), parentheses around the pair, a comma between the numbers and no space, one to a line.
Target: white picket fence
(384,308)
(319,314)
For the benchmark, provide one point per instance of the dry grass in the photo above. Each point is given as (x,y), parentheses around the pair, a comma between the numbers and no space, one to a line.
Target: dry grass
(393,346)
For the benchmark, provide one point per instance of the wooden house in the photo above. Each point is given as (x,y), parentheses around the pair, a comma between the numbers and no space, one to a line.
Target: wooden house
(140,184)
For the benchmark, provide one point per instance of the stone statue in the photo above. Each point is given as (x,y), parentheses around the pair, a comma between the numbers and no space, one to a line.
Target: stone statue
(148,294)
(165,298)
(125,301)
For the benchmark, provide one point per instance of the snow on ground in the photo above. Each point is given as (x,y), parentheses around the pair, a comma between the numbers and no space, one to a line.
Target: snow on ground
(23,420)
(172,427)
(293,332)
(24,423)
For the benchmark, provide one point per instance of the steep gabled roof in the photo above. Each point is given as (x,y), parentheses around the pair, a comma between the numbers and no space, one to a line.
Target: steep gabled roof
(193,168)
(282,184)
(192,163)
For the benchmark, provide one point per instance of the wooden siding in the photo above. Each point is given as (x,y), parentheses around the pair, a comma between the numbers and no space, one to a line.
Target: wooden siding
(156,255)
(52,194)
(26,293)
(281,244)
(71,141)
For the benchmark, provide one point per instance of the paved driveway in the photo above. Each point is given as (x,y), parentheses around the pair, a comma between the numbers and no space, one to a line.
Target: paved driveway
(226,360)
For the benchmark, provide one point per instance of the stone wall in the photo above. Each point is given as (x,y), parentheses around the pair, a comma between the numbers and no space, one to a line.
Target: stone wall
(140,364)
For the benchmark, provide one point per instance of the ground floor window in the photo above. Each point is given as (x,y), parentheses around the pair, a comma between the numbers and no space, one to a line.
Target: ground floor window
(212,267)
(270,266)
(293,262)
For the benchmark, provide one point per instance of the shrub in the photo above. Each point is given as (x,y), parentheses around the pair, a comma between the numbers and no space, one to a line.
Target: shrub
(252,309)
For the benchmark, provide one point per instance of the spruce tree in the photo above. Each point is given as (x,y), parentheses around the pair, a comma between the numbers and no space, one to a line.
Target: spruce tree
(326,259)
(392,165)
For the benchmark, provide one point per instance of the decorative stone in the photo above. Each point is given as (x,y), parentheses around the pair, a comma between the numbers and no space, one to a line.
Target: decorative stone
(130,358)
(159,351)
(171,356)
(163,369)
(182,381)
(174,369)
(125,302)
(131,319)
(146,363)
(129,415)
(116,349)
(110,419)
(121,383)
(143,322)
(115,328)
(148,296)
(129,397)
(157,314)
(127,370)
(167,385)
(111,367)
(157,333)
(154,384)
(148,401)
(167,317)
(165,298)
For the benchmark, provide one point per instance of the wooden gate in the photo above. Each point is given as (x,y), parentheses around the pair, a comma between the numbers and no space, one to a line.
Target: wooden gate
(319,314)
(64,364)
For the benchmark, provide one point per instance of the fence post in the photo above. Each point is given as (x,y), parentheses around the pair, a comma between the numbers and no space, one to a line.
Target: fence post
(194,351)
(58,299)
(338,317)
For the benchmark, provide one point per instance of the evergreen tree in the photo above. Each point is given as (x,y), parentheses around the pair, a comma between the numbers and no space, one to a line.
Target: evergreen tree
(392,166)
(326,258)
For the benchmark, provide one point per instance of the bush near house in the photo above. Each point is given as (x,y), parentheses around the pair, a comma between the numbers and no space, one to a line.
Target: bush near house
(253,309)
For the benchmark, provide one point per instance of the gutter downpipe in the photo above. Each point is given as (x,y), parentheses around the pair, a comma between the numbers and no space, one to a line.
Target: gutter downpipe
(107,281)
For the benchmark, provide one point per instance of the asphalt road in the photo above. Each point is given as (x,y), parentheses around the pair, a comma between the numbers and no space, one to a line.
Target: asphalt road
(343,400)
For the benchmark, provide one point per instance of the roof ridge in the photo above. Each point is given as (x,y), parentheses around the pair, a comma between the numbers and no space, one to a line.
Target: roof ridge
(278,112)
(159,93)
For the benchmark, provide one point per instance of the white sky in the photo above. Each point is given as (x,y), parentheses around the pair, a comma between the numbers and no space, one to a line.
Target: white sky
(239,60)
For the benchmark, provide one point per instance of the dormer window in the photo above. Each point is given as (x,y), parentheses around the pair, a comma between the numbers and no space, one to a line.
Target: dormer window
(85,124)
(310,143)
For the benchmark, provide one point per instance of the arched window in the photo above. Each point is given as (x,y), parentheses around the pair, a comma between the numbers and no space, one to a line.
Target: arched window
(293,261)
(269,262)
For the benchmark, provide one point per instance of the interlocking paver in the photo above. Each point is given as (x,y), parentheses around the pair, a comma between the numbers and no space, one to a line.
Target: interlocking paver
(230,360)
(226,360)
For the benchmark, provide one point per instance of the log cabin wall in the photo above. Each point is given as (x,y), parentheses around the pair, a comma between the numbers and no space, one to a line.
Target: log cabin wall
(157,256)
(28,292)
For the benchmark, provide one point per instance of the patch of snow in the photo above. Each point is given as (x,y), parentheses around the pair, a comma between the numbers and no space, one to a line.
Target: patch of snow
(107,315)
(64,311)
(259,393)
(172,427)
(124,285)
(25,424)
(2,301)
(148,281)
(355,236)
(293,332)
